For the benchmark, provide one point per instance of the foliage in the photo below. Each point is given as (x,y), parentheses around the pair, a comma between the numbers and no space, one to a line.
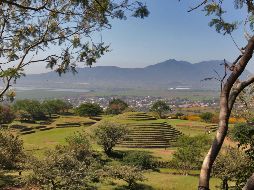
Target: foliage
(31,28)
(12,155)
(129,174)
(160,107)
(139,159)
(89,109)
(243,134)
(189,153)
(207,117)
(55,106)
(191,117)
(116,106)
(179,115)
(67,167)
(32,107)
(234,120)
(108,134)
(7,115)
(232,165)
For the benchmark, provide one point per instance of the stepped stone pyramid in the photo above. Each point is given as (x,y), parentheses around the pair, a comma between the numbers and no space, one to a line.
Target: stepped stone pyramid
(152,134)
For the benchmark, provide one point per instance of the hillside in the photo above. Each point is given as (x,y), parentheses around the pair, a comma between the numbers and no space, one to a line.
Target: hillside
(164,75)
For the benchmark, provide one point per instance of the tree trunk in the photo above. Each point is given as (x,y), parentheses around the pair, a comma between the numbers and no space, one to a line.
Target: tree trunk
(225,184)
(227,99)
(217,143)
(250,183)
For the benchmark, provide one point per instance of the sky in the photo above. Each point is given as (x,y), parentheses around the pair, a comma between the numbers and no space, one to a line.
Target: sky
(170,32)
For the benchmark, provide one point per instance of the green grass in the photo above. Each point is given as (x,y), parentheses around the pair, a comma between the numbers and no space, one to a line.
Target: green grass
(192,128)
(162,181)
(40,141)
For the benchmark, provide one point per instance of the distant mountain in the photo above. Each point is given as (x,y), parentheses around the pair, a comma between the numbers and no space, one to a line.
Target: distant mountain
(167,74)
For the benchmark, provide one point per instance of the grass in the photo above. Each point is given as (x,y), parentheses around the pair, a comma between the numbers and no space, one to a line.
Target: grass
(40,141)
(162,181)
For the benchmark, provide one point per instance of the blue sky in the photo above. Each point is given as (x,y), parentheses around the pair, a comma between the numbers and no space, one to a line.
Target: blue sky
(170,32)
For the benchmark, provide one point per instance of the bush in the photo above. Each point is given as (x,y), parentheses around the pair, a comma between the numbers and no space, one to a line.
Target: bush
(31,107)
(88,109)
(179,115)
(7,115)
(193,118)
(12,155)
(129,174)
(55,106)
(116,106)
(207,117)
(160,107)
(142,160)
(71,167)
(108,134)
(234,120)
(190,152)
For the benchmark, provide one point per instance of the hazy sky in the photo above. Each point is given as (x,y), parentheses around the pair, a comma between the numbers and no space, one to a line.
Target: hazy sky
(170,32)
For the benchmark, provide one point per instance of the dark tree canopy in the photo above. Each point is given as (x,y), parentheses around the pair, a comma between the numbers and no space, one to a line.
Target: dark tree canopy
(55,106)
(116,106)
(160,107)
(89,109)
(31,107)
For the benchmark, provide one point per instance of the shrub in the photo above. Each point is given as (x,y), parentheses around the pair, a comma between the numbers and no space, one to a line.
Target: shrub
(116,106)
(179,115)
(193,117)
(234,166)
(88,109)
(67,167)
(160,107)
(129,174)
(7,115)
(108,134)
(140,159)
(207,116)
(12,155)
(234,120)
(190,152)
(55,106)
(32,107)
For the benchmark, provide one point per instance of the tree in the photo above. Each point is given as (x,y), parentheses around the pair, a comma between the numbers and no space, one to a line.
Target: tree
(108,134)
(160,107)
(89,109)
(243,135)
(189,153)
(31,107)
(116,106)
(232,165)
(12,154)
(231,84)
(7,115)
(28,29)
(72,166)
(55,106)
(207,116)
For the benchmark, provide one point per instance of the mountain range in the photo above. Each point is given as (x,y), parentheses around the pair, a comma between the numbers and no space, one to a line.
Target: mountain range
(165,75)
